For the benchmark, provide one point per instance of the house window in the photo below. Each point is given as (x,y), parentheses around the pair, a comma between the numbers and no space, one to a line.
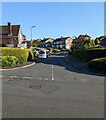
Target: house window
(60,46)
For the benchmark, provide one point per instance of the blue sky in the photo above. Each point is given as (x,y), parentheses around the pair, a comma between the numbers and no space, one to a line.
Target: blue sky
(55,19)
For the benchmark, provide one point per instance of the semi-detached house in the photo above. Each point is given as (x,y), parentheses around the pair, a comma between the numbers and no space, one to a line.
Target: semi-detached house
(63,42)
(11,35)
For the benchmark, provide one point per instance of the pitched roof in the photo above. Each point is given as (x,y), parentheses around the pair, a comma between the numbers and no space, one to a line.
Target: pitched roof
(61,39)
(4,30)
(103,37)
(45,39)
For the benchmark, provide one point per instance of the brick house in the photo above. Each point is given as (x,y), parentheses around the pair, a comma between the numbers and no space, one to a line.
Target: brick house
(63,42)
(79,42)
(11,35)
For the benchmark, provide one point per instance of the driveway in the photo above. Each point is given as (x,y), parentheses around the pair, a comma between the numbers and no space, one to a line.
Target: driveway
(52,88)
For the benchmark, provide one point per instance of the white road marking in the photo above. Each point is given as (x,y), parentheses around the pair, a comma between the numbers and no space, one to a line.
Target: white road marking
(52,66)
(52,72)
(13,76)
(27,77)
(52,77)
(46,78)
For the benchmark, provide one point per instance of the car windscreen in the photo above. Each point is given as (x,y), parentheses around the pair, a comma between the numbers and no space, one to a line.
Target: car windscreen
(41,52)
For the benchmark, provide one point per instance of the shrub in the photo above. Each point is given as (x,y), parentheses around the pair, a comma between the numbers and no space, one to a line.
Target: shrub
(3,45)
(89,54)
(63,49)
(9,60)
(31,54)
(55,51)
(99,63)
(22,54)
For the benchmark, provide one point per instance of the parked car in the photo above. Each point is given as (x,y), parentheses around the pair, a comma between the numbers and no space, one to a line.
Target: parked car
(36,51)
(42,54)
(48,53)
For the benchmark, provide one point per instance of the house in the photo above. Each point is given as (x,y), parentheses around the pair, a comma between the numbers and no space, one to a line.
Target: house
(79,42)
(63,42)
(103,42)
(26,44)
(46,42)
(11,35)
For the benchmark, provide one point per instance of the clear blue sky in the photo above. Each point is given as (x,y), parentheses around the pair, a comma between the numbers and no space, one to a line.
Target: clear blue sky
(56,19)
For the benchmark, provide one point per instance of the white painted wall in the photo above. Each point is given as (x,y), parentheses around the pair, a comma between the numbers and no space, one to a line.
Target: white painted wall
(24,45)
(20,36)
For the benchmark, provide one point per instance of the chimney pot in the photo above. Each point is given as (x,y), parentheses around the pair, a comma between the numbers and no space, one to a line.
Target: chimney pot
(9,29)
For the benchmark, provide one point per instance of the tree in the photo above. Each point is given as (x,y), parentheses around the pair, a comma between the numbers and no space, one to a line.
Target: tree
(36,43)
(74,37)
(97,41)
(89,44)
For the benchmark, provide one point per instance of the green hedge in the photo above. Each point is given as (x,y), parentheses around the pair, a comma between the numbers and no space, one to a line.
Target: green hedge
(21,54)
(9,61)
(55,51)
(99,64)
(89,54)
(64,50)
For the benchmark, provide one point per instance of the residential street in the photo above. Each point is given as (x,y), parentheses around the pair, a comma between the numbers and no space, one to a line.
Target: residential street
(52,88)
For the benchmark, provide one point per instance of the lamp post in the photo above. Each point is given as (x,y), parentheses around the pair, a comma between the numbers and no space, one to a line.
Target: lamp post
(31,34)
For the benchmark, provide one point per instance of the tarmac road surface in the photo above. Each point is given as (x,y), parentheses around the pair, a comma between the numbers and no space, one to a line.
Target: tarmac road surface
(52,88)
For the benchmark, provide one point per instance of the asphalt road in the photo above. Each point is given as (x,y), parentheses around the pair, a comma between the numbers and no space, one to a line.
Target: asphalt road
(52,88)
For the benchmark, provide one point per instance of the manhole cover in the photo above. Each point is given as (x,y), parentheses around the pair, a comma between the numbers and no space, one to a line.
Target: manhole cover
(35,86)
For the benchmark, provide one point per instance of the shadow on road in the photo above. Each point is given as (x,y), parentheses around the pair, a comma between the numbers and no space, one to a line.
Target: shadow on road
(61,60)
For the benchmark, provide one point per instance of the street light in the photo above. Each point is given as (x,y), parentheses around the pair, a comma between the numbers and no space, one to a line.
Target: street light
(31,31)
(31,34)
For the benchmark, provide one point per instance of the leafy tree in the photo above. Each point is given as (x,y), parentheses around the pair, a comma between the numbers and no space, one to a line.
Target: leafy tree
(97,41)
(74,37)
(89,44)
(36,43)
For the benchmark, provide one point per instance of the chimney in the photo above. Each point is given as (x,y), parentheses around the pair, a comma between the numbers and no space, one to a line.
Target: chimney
(9,29)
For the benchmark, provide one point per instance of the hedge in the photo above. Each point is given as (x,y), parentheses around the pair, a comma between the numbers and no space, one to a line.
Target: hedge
(21,54)
(9,61)
(64,50)
(89,54)
(99,64)
(55,51)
